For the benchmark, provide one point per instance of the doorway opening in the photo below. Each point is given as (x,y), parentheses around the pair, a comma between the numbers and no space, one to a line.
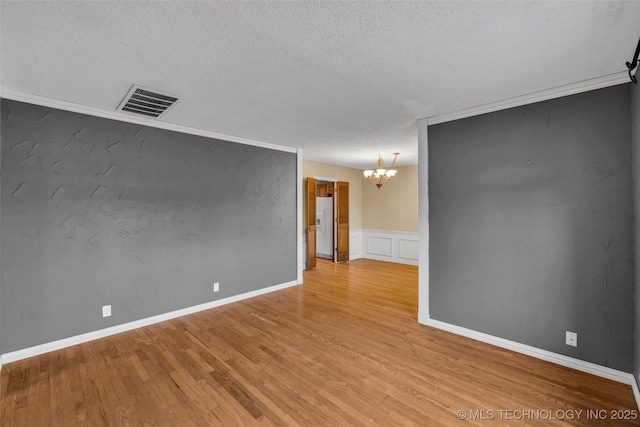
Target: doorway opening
(327,218)
(324,220)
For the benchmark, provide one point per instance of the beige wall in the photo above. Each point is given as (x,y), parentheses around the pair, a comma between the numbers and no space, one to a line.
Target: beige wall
(353,176)
(393,207)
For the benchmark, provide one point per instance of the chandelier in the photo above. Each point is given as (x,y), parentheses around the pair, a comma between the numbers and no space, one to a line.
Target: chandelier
(381,174)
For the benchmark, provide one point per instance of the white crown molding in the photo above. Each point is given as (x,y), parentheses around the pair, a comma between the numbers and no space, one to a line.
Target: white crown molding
(559,359)
(130,118)
(558,92)
(102,333)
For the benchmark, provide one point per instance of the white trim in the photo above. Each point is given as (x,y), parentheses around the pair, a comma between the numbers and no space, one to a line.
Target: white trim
(423,315)
(355,244)
(559,359)
(319,178)
(90,336)
(1,362)
(423,220)
(392,232)
(124,117)
(530,98)
(387,246)
(409,242)
(304,243)
(300,226)
(636,392)
(392,253)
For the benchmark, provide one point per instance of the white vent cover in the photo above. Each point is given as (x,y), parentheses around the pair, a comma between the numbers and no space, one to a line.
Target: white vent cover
(146,102)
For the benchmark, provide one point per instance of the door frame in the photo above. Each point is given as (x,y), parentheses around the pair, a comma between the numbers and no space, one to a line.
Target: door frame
(311,199)
(335,213)
(299,220)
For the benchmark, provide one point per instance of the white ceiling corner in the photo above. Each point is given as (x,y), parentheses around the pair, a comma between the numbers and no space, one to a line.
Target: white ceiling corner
(344,81)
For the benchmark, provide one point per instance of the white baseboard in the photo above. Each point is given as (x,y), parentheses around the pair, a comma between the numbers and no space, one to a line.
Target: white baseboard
(90,336)
(423,318)
(636,392)
(400,247)
(559,359)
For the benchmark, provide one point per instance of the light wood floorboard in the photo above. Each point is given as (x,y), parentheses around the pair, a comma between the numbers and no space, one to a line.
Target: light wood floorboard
(345,348)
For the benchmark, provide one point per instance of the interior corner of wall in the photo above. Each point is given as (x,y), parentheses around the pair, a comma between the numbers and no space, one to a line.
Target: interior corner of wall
(423,317)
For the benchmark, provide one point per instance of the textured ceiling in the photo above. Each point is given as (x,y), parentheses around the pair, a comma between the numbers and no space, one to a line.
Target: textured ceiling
(343,81)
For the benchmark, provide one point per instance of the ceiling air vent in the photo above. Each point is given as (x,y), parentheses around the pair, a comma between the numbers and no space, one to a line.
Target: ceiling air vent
(146,102)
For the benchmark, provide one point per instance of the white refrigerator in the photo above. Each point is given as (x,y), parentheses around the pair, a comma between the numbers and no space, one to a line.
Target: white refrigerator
(324,227)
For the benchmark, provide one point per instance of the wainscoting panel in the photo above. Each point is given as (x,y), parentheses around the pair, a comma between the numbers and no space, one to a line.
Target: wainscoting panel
(355,244)
(379,245)
(408,249)
(393,246)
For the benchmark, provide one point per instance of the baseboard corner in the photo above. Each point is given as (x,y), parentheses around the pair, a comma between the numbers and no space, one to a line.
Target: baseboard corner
(636,391)
(423,318)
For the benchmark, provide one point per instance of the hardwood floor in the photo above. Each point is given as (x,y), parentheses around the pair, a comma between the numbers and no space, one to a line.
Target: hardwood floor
(345,348)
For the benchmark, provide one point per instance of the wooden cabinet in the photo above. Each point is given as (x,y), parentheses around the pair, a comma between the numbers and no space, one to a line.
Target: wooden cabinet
(324,190)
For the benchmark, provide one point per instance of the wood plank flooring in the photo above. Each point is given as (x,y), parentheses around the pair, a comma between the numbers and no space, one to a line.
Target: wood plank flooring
(345,348)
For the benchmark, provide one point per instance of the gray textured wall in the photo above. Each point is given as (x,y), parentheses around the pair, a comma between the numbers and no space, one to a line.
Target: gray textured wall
(97,212)
(1,352)
(531,225)
(635,138)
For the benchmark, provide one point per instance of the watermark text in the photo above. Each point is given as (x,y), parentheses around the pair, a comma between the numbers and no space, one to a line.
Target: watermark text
(546,414)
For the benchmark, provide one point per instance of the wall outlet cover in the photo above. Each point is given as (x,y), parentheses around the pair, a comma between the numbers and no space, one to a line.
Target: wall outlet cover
(572,339)
(106,310)
(216,287)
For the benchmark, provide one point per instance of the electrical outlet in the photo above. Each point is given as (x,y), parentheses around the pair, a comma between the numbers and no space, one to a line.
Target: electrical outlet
(106,310)
(572,339)
(216,287)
